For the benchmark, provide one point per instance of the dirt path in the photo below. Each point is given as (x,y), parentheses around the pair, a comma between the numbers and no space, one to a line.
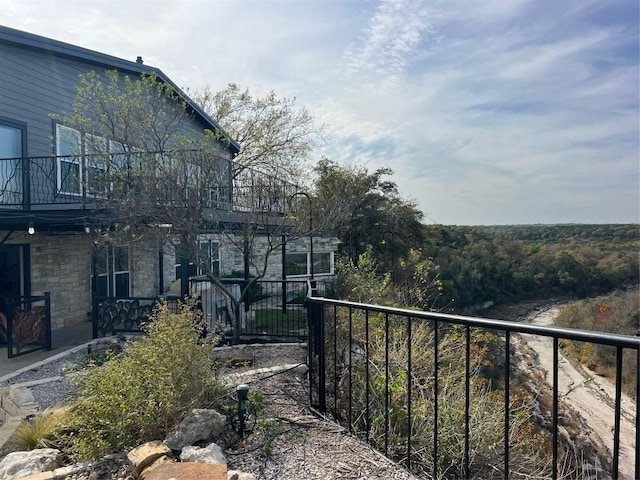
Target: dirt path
(590,395)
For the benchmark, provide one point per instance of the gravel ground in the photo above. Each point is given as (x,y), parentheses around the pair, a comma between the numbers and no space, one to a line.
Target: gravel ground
(292,443)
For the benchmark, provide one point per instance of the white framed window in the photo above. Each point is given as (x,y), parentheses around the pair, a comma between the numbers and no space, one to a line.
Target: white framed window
(82,166)
(95,164)
(69,151)
(209,251)
(298,264)
(112,272)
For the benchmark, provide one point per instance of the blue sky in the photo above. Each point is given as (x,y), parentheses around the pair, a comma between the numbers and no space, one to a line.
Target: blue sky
(488,111)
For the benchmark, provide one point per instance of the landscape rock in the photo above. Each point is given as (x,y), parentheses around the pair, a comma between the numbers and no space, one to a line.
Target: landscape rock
(186,471)
(146,454)
(212,454)
(202,424)
(22,464)
(237,475)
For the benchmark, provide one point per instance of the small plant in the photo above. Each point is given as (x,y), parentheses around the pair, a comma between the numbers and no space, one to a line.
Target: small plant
(141,394)
(38,431)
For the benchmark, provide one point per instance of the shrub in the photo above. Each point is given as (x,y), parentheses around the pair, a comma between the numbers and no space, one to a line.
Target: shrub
(38,431)
(141,394)
(486,410)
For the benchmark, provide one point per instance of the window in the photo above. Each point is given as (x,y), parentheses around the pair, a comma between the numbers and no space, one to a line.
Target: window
(81,165)
(96,168)
(298,263)
(12,137)
(209,252)
(111,271)
(68,150)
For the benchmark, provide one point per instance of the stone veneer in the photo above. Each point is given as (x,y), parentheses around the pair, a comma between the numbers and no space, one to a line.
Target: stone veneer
(61,265)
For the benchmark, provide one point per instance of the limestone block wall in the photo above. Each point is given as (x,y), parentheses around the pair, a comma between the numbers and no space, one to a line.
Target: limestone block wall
(60,264)
(144,275)
(231,258)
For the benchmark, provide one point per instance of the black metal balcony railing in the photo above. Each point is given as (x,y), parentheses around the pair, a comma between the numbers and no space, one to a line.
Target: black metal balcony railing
(367,370)
(82,181)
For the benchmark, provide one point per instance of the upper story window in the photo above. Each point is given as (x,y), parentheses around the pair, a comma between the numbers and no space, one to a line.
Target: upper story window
(81,164)
(12,137)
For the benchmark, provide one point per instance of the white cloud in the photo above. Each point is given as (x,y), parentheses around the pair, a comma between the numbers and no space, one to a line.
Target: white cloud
(497,111)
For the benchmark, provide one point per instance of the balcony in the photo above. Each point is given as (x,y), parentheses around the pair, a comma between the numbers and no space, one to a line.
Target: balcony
(64,183)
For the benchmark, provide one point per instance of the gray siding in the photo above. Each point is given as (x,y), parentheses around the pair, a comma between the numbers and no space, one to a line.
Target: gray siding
(34,84)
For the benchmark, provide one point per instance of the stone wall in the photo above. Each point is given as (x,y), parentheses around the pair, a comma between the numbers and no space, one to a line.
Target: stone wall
(232,260)
(60,264)
(144,268)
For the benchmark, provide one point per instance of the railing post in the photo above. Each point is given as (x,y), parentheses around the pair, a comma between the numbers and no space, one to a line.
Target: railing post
(94,316)
(10,308)
(47,321)
(316,344)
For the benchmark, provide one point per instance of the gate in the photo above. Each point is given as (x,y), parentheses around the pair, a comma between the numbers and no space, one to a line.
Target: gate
(25,324)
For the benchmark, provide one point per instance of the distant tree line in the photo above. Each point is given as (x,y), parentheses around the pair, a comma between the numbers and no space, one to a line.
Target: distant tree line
(504,264)
(474,265)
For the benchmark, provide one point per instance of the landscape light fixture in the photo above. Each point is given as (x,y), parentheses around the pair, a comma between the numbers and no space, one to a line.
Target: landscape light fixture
(31,230)
(242,391)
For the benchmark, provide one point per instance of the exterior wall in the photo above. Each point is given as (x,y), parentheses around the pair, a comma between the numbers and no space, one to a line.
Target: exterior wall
(35,84)
(231,258)
(60,264)
(144,269)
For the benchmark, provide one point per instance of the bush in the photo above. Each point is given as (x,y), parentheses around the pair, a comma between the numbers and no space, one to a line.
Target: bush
(38,431)
(141,394)
(486,410)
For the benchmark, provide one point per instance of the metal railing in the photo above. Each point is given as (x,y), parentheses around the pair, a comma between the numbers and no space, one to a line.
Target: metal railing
(110,315)
(84,181)
(25,324)
(272,308)
(368,372)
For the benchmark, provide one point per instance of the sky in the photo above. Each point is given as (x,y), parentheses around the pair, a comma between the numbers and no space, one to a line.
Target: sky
(488,111)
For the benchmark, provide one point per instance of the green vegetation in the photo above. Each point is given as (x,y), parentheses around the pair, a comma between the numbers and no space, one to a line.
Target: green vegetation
(512,263)
(615,313)
(141,394)
(499,264)
(38,431)
(529,449)
(277,321)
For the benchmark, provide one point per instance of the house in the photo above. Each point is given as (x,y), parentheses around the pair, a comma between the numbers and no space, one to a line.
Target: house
(46,191)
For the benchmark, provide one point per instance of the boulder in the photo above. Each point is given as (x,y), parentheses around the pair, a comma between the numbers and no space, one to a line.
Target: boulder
(22,464)
(211,454)
(143,456)
(185,471)
(202,424)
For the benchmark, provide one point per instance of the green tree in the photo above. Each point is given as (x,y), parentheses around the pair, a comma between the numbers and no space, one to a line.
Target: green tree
(365,210)
(274,133)
(156,175)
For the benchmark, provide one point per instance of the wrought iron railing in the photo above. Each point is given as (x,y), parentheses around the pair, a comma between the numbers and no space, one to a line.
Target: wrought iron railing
(82,181)
(272,308)
(368,373)
(25,324)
